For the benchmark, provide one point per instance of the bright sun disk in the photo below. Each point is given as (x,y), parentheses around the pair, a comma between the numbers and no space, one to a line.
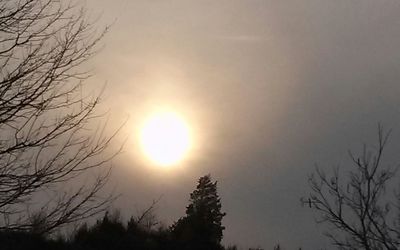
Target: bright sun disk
(165,138)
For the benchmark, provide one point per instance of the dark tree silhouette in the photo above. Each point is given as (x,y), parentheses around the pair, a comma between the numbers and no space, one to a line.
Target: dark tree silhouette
(359,211)
(111,233)
(201,228)
(46,140)
(107,233)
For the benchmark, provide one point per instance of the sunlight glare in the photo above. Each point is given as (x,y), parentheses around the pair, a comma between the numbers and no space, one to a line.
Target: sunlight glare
(165,138)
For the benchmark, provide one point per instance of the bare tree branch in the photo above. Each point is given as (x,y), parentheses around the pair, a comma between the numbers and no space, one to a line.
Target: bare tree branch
(357,208)
(45,137)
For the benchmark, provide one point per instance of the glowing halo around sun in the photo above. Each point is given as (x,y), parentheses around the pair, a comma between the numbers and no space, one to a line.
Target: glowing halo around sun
(165,138)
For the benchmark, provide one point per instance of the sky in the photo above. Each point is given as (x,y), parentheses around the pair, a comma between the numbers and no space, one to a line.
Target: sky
(269,88)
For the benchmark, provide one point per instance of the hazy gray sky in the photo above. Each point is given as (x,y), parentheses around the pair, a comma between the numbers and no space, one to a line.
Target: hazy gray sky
(269,87)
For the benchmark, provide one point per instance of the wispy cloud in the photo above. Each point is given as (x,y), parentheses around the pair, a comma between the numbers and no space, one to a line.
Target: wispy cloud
(243,38)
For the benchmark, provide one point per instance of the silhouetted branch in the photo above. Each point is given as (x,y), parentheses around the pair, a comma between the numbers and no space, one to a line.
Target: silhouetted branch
(147,219)
(357,207)
(45,137)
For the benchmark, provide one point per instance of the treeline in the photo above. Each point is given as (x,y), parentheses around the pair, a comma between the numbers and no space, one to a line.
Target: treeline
(109,232)
(200,229)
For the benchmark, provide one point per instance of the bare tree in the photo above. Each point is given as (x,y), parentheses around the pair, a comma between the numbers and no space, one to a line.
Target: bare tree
(47,139)
(357,208)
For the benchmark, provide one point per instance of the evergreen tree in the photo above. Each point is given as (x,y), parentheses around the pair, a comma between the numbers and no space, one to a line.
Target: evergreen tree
(206,206)
(201,228)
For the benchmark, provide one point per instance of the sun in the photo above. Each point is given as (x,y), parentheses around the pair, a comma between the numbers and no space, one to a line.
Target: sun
(165,138)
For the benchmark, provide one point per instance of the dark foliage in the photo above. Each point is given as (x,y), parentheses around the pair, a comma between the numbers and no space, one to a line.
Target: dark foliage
(201,228)
(11,240)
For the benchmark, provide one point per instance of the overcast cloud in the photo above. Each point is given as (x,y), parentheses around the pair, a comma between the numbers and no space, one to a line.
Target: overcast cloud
(270,87)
